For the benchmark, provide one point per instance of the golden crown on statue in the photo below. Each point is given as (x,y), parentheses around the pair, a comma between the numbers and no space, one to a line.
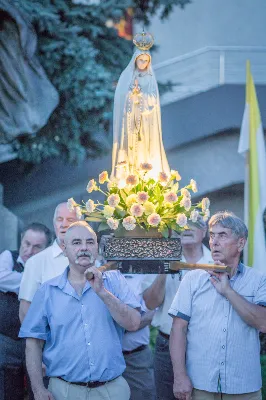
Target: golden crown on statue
(143,41)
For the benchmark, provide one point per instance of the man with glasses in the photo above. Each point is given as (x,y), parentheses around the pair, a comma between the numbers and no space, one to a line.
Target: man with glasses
(217,317)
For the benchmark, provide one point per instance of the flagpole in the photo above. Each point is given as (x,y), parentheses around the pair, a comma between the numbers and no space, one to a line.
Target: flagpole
(246,202)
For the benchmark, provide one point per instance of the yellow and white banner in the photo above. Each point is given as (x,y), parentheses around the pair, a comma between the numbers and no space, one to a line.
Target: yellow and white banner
(251,143)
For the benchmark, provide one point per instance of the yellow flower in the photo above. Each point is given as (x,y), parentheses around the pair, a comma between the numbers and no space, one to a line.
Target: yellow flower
(103,177)
(149,208)
(168,205)
(108,211)
(131,200)
(175,175)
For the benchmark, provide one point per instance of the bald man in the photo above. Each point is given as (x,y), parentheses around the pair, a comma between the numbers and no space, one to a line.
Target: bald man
(80,324)
(49,263)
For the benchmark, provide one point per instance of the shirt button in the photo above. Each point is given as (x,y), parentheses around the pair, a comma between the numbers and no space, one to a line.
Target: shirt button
(89,345)
(224,330)
(91,363)
(222,363)
(223,347)
(82,305)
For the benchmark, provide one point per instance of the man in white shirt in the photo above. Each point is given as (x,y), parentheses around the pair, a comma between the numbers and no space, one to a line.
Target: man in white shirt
(34,238)
(159,291)
(139,372)
(48,264)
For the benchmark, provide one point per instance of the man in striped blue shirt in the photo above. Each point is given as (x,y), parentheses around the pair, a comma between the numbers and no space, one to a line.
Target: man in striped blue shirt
(217,317)
(81,324)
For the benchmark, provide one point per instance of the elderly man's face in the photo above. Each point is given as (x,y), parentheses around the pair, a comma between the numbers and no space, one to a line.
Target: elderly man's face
(32,243)
(225,246)
(62,220)
(81,246)
(192,236)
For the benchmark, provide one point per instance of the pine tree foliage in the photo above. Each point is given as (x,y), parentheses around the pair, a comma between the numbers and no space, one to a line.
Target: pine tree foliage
(83,58)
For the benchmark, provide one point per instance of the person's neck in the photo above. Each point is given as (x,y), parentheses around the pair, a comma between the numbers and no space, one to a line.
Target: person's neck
(193,253)
(60,244)
(233,267)
(77,280)
(74,275)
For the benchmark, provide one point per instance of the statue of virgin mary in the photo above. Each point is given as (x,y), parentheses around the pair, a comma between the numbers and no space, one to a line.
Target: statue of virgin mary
(137,131)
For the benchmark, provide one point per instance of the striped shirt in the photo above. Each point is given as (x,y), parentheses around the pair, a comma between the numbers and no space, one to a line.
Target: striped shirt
(223,352)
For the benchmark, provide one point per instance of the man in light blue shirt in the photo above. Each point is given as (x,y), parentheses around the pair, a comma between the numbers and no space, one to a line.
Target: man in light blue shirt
(214,342)
(81,323)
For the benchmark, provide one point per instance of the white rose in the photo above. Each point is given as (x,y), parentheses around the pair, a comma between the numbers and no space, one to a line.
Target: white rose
(90,206)
(194,216)
(113,223)
(129,223)
(181,220)
(186,203)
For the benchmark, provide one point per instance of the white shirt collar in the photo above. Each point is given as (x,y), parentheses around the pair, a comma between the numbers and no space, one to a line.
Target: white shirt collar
(19,260)
(56,249)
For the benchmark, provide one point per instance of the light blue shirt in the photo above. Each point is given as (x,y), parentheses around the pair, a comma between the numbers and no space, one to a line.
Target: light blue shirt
(82,340)
(223,351)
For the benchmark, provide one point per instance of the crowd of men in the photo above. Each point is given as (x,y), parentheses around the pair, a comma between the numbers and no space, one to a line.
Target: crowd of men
(69,331)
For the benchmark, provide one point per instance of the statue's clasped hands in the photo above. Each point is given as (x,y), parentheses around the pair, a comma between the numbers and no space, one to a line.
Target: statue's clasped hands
(136,88)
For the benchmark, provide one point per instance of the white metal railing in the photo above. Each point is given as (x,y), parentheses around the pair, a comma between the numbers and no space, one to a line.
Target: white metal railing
(208,67)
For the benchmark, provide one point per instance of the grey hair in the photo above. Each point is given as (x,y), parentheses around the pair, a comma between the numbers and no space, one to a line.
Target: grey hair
(229,220)
(56,209)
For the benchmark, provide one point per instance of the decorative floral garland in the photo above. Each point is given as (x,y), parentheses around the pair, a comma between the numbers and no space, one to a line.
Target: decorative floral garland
(143,201)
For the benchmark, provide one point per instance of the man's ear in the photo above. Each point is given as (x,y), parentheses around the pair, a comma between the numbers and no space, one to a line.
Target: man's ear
(241,244)
(63,247)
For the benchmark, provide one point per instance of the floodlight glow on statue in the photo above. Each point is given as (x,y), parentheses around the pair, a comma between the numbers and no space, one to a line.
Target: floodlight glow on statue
(137,131)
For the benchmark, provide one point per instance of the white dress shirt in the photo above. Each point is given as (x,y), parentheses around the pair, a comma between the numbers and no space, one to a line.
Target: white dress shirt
(9,279)
(40,268)
(161,319)
(132,340)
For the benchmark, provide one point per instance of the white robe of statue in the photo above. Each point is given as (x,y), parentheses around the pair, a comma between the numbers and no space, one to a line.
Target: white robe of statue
(137,132)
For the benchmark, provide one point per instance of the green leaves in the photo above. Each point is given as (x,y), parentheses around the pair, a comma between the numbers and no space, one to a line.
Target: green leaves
(103,226)
(83,58)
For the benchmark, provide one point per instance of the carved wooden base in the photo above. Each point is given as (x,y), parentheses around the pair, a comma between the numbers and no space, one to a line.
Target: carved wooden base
(141,255)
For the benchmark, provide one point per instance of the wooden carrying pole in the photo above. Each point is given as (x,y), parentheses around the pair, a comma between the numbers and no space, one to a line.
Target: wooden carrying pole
(178,265)
(174,266)
(111,265)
